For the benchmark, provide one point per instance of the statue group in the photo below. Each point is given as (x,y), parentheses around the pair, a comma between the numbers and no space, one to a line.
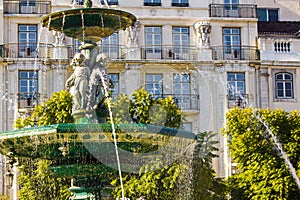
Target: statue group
(87,85)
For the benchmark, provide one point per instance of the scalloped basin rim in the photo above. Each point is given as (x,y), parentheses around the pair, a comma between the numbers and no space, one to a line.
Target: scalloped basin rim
(92,128)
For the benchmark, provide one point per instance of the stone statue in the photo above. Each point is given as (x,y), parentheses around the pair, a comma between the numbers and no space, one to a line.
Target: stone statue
(203,30)
(59,38)
(132,37)
(78,83)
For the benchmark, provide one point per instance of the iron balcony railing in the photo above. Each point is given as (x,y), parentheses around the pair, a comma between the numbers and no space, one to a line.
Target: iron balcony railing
(237,100)
(28,100)
(169,52)
(235,53)
(26,50)
(27,7)
(111,51)
(183,101)
(233,10)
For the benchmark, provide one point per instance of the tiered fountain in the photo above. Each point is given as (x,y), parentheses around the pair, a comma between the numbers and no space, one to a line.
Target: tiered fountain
(87,150)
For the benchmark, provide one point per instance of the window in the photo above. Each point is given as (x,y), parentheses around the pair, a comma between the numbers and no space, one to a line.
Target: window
(236,84)
(231,8)
(110,45)
(28,88)
(77,2)
(27,40)
(182,90)
(231,43)
(284,85)
(115,80)
(267,15)
(153,42)
(180,3)
(181,42)
(109,2)
(76,45)
(154,84)
(27,6)
(152,3)
(236,90)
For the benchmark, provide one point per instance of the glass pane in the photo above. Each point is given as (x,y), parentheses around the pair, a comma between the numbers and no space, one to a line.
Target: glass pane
(288,86)
(280,86)
(32,28)
(279,76)
(262,14)
(273,15)
(280,93)
(288,93)
(240,77)
(288,77)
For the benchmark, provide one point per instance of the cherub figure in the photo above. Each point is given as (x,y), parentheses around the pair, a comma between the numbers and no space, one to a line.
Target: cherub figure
(78,82)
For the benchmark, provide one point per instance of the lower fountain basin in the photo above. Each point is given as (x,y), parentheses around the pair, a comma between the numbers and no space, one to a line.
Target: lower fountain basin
(72,147)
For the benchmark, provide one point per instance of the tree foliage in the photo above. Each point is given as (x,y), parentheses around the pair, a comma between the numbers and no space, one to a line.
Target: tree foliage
(205,186)
(36,181)
(155,181)
(57,109)
(262,172)
(143,108)
(173,181)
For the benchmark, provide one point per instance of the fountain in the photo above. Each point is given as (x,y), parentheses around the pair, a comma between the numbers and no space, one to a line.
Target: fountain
(86,150)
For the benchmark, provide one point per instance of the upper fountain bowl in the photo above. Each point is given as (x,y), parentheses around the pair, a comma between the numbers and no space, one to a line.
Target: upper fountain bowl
(88,25)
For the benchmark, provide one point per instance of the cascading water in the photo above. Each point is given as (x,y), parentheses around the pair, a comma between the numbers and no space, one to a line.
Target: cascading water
(279,148)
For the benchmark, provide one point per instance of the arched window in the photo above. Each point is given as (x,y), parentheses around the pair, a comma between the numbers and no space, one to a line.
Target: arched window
(284,85)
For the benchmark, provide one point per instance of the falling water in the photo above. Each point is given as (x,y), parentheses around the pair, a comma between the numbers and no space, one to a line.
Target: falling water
(82,21)
(281,151)
(105,88)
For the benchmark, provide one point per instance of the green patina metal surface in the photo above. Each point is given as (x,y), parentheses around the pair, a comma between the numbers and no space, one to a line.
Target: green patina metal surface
(88,24)
(45,141)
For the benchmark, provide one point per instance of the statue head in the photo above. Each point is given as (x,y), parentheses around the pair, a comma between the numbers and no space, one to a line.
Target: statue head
(102,59)
(78,60)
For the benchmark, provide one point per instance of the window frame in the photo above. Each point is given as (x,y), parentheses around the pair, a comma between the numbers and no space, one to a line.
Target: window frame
(182,90)
(180,3)
(231,43)
(110,45)
(111,2)
(31,95)
(154,82)
(267,17)
(284,83)
(234,91)
(181,44)
(115,91)
(27,40)
(152,2)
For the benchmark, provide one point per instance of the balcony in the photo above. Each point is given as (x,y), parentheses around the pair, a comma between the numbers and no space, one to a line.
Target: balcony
(237,100)
(183,101)
(26,7)
(233,10)
(235,53)
(169,52)
(26,50)
(28,100)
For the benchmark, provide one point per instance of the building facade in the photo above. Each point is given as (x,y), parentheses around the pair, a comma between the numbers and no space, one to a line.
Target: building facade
(210,56)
